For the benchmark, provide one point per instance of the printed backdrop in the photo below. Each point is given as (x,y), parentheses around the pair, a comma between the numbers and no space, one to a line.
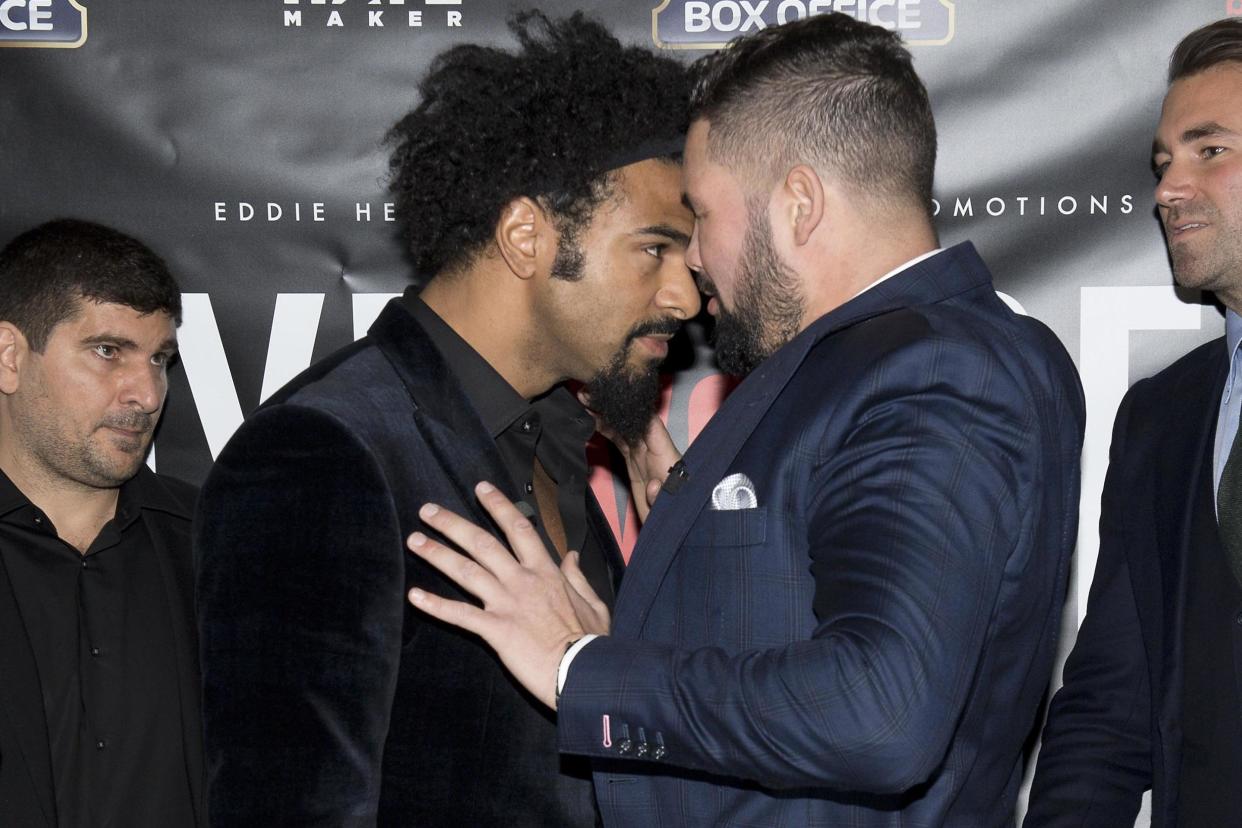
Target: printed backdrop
(242,140)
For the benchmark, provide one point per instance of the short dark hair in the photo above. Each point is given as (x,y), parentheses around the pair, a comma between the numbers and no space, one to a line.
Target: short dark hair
(46,271)
(1207,46)
(827,90)
(548,122)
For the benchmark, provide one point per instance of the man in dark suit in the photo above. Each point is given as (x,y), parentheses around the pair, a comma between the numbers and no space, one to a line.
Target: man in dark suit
(1152,696)
(536,189)
(99,682)
(843,607)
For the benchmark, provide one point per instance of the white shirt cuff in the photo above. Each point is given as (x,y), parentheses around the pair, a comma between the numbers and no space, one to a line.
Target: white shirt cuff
(562,672)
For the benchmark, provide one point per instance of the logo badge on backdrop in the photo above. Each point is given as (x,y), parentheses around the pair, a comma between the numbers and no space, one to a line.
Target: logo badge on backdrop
(47,24)
(711,24)
(376,14)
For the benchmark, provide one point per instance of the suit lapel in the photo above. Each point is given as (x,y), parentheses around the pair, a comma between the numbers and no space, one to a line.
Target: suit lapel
(948,273)
(21,699)
(452,429)
(1186,483)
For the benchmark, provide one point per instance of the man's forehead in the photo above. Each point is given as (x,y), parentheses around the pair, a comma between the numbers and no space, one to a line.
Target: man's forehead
(1206,102)
(93,318)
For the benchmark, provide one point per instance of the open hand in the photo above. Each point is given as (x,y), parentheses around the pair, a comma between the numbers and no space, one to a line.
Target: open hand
(647,462)
(532,610)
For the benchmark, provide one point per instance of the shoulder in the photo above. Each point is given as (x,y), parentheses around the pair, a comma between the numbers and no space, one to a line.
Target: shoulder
(165,495)
(1196,371)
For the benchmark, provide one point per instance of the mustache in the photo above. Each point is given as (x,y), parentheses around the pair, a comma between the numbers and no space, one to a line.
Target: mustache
(130,421)
(667,325)
(1176,215)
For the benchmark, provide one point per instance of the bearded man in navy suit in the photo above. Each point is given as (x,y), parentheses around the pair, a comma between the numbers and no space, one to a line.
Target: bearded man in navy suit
(844,604)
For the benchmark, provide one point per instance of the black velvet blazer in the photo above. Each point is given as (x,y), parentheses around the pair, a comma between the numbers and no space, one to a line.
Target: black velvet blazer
(328,700)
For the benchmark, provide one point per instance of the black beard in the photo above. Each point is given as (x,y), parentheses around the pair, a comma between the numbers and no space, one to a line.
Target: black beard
(625,397)
(769,306)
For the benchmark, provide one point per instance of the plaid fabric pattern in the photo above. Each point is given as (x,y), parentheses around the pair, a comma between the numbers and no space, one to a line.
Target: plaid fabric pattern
(869,645)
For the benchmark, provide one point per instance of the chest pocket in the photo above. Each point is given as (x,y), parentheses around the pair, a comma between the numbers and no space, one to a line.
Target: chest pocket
(734,527)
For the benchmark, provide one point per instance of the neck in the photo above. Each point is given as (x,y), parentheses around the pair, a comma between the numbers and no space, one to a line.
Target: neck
(858,266)
(488,309)
(78,511)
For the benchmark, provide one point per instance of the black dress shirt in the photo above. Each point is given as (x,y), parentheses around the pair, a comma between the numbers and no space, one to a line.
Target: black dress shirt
(553,427)
(99,627)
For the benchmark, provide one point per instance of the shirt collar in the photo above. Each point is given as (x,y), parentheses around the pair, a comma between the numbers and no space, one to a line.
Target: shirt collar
(498,403)
(898,269)
(1233,331)
(143,491)
(1233,336)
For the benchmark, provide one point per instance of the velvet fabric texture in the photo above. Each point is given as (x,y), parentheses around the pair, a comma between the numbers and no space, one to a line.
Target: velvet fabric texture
(328,700)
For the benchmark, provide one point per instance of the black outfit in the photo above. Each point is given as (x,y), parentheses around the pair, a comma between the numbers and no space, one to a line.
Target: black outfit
(1151,694)
(328,699)
(99,711)
(553,427)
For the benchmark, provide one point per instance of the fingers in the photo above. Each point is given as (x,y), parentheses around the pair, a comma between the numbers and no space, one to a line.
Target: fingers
(478,543)
(592,613)
(653,491)
(525,541)
(573,574)
(459,614)
(459,569)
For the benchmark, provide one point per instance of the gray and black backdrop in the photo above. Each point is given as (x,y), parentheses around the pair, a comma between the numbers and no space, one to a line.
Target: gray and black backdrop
(242,139)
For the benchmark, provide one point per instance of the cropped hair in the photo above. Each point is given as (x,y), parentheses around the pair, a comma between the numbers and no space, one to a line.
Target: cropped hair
(547,121)
(828,90)
(47,271)
(1207,46)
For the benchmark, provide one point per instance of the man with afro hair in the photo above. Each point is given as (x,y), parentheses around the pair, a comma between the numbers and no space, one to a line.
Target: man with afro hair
(540,198)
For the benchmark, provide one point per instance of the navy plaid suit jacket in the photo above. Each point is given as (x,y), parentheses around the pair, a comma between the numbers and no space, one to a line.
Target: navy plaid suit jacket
(870,644)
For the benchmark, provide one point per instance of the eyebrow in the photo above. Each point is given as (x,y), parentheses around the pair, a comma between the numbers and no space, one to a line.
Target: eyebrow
(665,230)
(125,342)
(1207,129)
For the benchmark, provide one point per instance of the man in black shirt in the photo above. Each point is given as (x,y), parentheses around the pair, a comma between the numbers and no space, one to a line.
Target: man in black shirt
(99,696)
(537,192)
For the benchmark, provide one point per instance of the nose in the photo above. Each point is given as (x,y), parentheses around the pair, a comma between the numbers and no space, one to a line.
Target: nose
(677,294)
(694,257)
(143,387)
(1176,185)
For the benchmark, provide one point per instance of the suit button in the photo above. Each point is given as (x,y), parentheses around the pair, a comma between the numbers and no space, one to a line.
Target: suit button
(660,752)
(101,744)
(642,743)
(624,744)
(1238,619)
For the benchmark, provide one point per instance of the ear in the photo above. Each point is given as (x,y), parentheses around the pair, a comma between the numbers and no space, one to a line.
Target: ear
(804,202)
(518,232)
(13,350)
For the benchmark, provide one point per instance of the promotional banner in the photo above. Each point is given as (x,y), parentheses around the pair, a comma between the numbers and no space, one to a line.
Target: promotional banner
(243,140)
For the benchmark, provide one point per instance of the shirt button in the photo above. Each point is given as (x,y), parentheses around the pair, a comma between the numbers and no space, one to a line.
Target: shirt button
(95,651)
(39,519)
(101,744)
(529,488)
(1238,618)
(84,563)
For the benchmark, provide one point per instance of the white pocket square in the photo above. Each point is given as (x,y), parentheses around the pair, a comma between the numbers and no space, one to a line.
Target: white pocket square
(734,492)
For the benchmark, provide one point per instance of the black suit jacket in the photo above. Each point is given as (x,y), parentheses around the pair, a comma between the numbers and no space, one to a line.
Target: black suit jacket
(26,789)
(1114,728)
(328,699)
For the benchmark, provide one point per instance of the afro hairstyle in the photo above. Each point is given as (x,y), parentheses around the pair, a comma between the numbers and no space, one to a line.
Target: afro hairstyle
(547,122)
